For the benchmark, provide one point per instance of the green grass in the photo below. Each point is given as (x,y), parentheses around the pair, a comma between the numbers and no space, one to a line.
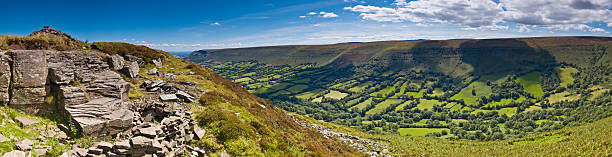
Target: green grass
(380,107)
(565,74)
(244,79)
(361,87)
(335,95)
(363,104)
(309,94)
(401,106)
(480,88)
(297,88)
(531,83)
(419,131)
(563,96)
(427,104)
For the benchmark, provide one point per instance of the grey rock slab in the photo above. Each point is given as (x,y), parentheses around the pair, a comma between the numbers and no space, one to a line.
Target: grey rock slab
(152,71)
(185,96)
(95,151)
(200,133)
(148,132)
(25,144)
(168,97)
(106,146)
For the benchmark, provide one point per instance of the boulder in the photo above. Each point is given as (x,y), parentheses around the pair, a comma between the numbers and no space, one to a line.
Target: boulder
(138,60)
(25,144)
(26,122)
(122,147)
(152,71)
(131,70)
(185,96)
(15,153)
(199,132)
(157,62)
(142,144)
(115,62)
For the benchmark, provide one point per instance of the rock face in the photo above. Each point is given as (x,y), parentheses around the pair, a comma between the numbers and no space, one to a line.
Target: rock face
(78,84)
(98,101)
(29,71)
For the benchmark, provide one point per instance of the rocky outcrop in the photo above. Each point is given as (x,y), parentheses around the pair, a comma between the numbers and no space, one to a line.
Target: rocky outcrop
(79,85)
(92,94)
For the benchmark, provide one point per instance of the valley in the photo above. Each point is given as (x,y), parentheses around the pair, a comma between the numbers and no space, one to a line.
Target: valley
(458,89)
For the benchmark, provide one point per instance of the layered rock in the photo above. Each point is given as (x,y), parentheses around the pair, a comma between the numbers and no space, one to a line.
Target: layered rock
(91,93)
(78,84)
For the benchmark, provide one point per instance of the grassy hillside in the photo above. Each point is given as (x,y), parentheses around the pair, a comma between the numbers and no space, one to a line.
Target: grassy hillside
(592,139)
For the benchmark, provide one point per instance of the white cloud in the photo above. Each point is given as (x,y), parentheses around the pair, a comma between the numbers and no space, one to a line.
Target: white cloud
(579,27)
(488,14)
(328,14)
(322,14)
(215,24)
(524,28)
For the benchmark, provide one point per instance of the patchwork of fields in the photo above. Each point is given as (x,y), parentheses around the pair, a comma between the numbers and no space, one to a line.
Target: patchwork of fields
(405,102)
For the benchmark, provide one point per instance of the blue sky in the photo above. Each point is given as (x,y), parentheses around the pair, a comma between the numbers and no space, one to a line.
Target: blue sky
(191,25)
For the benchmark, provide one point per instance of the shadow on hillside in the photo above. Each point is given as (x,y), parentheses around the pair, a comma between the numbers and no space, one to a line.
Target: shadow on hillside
(494,57)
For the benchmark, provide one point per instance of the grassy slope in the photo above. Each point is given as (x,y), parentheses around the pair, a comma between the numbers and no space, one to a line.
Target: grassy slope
(563,49)
(574,141)
(237,121)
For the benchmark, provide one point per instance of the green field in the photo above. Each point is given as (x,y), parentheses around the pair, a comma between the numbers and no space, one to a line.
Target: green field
(297,88)
(481,89)
(565,74)
(401,106)
(309,94)
(427,104)
(531,83)
(335,95)
(563,96)
(363,104)
(380,107)
(419,131)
